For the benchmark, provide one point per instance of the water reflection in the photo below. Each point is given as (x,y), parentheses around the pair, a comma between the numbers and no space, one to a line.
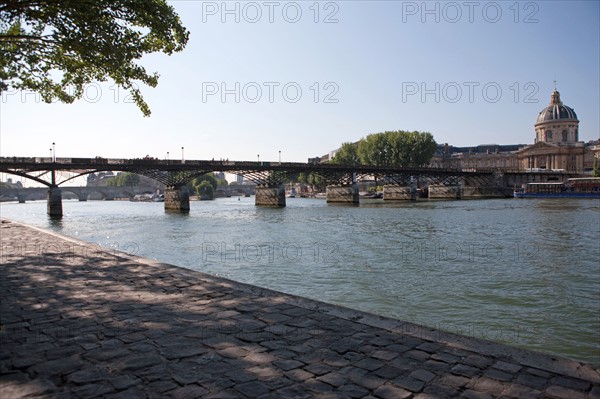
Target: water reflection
(55,223)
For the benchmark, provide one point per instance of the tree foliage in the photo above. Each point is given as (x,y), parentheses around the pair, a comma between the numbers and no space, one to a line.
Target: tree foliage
(209,178)
(56,47)
(375,150)
(205,185)
(313,180)
(316,182)
(205,190)
(124,179)
(347,155)
(302,178)
(397,148)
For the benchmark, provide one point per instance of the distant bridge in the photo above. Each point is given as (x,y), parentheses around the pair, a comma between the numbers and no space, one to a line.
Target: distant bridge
(106,193)
(82,193)
(235,190)
(269,176)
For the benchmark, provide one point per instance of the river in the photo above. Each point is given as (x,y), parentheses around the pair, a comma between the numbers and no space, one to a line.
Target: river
(522,272)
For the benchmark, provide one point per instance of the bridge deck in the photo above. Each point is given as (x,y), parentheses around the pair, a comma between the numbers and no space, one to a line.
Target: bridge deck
(177,173)
(81,322)
(32,163)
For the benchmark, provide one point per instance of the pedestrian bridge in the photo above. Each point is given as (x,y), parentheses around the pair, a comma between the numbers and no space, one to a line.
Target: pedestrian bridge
(400,183)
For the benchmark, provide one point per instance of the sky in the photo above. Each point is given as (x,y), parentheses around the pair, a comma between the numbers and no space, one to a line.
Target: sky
(260,79)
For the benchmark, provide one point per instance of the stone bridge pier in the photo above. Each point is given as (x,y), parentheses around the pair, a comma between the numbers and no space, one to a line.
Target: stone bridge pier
(82,195)
(54,202)
(342,194)
(270,195)
(392,192)
(177,199)
(445,191)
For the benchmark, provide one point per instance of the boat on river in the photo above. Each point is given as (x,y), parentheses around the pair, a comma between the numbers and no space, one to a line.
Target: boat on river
(581,187)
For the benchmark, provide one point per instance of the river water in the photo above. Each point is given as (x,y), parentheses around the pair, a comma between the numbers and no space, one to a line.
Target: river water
(522,272)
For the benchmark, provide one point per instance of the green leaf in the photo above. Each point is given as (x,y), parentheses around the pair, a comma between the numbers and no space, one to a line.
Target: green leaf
(57,48)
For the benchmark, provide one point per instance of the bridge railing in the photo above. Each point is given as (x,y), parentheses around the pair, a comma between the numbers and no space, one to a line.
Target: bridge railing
(25,160)
(225,165)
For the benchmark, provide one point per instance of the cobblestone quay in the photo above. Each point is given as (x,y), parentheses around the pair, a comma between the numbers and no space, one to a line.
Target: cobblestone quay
(78,321)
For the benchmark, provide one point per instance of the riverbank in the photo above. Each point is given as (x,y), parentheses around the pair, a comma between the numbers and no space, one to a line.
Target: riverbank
(78,321)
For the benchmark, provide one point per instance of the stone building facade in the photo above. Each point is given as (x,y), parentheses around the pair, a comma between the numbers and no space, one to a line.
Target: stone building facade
(492,156)
(556,147)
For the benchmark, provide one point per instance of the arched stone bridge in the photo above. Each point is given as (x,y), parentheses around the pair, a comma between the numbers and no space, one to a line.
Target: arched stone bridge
(82,193)
(402,182)
(107,193)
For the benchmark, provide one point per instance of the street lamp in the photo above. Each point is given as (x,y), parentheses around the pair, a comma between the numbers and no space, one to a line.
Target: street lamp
(279,156)
(53,152)
(182,155)
(167,155)
(258,158)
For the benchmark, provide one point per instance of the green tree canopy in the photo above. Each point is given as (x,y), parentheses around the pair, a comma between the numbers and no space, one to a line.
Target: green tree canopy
(375,149)
(124,179)
(316,182)
(312,179)
(397,148)
(205,190)
(57,47)
(302,178)
(347,155)
(209,177)
(424,147)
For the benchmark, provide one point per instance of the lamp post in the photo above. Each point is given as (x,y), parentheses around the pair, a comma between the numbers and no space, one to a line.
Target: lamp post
(167,156)
(182,160)
(51,155)
(279,156)
(53,152)
(258,158)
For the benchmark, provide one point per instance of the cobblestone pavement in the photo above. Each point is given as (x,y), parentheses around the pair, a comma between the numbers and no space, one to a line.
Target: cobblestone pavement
(80,322)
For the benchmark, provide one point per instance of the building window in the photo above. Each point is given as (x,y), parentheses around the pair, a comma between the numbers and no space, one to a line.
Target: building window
(564,135)
(549,135)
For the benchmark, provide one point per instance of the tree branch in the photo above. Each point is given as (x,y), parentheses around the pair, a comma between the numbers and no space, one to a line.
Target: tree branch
(29,38)
(21,5)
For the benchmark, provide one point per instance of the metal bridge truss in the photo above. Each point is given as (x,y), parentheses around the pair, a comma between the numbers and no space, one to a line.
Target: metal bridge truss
(175,173)
(56,174)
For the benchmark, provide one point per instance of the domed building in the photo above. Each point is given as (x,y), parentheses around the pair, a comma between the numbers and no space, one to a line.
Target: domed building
(557,123)
(556,145)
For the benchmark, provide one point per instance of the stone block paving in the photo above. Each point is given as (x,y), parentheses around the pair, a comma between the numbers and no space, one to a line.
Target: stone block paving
(80,322)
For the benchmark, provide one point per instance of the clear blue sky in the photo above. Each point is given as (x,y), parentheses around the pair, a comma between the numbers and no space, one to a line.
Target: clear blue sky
(370,67)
